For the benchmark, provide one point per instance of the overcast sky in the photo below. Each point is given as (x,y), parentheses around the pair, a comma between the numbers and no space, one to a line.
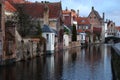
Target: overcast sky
(110,7)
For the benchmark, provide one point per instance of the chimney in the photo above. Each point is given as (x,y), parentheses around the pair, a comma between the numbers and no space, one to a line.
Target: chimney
(103,16)
(92,8)
(46,14)
(66,9)
(78,13)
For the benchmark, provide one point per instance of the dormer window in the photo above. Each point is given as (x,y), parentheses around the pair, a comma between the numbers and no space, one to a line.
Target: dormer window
(83,21)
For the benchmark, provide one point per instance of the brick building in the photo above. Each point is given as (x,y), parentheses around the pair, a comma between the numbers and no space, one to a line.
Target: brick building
(2,32)
(69,17)
(96,22)
(46,13)
(7,32)
(111,29)
(84,29)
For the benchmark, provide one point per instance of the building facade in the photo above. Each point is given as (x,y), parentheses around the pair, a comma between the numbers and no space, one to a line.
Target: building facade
(110,29)
(69,17)
(84,29)
(2,32)
(96,22)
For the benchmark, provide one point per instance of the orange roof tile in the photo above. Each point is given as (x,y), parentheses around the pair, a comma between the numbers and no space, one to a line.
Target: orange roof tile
(9,7)
(36,10)
(117,27)
(79,30)
(66,12)
(72,12)
(83,21)
(16,1)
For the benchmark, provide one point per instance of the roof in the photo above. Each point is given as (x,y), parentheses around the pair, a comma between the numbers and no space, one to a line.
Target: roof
(83,21)
(117,27)
(72,12)
(36,10)
(47,28)
(16,1)
(9,7)
(80,30)
(86,31)
(96,13)
(67,30)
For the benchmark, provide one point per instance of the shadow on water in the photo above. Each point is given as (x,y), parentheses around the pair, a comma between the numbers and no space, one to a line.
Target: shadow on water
(90,63)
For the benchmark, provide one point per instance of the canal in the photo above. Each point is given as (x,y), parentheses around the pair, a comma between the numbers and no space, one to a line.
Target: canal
(90,63)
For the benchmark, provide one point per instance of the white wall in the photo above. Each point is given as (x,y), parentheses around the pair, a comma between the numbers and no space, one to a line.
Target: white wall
(82,37)
(66,39)
(50,41)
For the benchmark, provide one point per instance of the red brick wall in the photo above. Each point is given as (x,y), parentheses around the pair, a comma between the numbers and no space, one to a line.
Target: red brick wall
(95,22)
(67,19)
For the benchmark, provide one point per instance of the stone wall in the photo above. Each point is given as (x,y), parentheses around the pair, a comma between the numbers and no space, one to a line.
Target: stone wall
(115,61)
(29,48)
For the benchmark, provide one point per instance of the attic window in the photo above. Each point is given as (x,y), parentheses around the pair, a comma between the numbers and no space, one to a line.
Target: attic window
(111,25)
(83,21)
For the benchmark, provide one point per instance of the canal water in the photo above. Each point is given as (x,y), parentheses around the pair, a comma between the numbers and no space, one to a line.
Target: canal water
(90,63)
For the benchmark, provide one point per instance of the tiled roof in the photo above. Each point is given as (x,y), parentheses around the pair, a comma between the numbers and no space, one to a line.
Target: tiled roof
(66,11)
(96,13)
(117,27)
(9,7)
(72,12)
(36,10)
(87,30)
(79,30)
(47,28)
(83,21)
(16,1)
(66,29)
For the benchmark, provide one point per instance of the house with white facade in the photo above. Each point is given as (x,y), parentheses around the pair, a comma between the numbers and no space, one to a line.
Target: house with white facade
(117,31)
(49,34)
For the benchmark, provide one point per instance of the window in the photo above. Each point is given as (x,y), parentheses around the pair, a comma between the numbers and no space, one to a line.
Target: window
(47,36)
(52,38)
(86,27)
(83,21)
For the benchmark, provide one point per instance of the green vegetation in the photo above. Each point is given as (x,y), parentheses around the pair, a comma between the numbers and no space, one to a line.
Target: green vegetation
(23,21)
(74,33)
(39,30)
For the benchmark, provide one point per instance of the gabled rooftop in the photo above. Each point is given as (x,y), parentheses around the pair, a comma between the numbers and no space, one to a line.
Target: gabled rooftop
(9,7)
(36,10)
(16,1)
(96,13)
(83,21)
(48,29)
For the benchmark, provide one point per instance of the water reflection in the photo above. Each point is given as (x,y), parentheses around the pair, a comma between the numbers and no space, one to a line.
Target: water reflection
(91,63)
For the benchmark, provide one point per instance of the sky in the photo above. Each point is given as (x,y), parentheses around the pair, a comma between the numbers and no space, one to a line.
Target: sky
(111,8)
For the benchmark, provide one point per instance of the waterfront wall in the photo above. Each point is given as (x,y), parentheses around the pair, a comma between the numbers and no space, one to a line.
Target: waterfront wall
(115,61)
